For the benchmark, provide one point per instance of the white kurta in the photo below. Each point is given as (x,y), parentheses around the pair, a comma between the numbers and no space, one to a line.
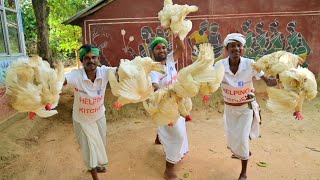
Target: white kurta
(89,114)
(173,138)
(241,122)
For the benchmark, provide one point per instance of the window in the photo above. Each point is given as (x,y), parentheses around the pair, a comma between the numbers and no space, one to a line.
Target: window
(10,4)
(13,32)
(11,37)
(2,44)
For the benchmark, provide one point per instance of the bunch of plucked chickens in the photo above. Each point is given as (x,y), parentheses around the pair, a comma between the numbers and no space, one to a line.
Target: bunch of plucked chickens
(165,106)
(295,83)
(134,83)
(34,87)
(173,16)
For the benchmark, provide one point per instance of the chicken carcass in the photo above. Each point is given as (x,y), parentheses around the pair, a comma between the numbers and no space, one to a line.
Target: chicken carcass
(200,77)
(163,107)
(173,16)
(184,107)
(33,86)
(277,62)
(298,84)
(134,82)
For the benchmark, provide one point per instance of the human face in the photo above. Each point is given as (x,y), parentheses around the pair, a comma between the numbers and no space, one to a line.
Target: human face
(160,52)
(90,61)
(235,50)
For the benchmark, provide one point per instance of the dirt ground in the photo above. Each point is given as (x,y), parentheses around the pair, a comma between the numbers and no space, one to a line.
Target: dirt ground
(44,149)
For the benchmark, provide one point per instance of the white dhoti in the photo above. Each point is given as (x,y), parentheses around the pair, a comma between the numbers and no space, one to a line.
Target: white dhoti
(239,125)
(174,140)
(92,140)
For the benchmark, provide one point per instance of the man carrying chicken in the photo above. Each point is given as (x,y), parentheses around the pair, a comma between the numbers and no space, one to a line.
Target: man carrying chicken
(241,111)
(173,137)
(88,114)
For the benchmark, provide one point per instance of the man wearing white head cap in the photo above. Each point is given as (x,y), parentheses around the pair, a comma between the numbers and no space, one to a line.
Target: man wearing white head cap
(241,111)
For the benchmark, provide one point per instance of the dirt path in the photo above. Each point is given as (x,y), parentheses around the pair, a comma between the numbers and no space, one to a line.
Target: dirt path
(45,148)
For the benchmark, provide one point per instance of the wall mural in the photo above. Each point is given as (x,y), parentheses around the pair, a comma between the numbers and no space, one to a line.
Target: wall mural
(101,36)
(4,64)
(147,35)
(261,38)
(5,110)
(259,42)
(134,43)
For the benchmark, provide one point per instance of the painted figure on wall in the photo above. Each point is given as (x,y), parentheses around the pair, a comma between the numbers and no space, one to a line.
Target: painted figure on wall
(215,40)
(261,42)
(264,42)
(250,39)
(197,38)
(277,40)
(296,42)
(147,35)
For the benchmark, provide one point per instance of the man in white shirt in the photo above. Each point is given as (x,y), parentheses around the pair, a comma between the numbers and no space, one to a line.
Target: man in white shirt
(88,114)
(241,112)
(174,137)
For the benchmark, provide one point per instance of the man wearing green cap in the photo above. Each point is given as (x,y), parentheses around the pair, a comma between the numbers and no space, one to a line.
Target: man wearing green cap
(89,120)
(172,137)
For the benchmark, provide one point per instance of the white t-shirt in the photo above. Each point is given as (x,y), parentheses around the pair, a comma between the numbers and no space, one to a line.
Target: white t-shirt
(88,103)
(165,80)
(235,87)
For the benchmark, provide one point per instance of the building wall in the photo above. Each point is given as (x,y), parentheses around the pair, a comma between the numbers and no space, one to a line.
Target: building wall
(123,28)
(12,47)
(5,110)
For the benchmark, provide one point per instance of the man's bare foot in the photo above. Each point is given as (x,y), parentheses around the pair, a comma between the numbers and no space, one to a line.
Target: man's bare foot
(242,177)
(157,141)
(94,174)
(170,175)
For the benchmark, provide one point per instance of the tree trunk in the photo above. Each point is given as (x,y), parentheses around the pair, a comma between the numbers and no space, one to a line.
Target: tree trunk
(41,11)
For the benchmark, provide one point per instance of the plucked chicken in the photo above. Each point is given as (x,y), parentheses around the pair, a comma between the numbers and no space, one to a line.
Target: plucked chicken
(163,107)
(277,62)
(297,84)
(34,87)
(200,77)
(173,16)
(134,82)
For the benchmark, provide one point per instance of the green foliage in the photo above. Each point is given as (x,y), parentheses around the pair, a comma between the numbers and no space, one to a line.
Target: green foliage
(64,39)
(29,26)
